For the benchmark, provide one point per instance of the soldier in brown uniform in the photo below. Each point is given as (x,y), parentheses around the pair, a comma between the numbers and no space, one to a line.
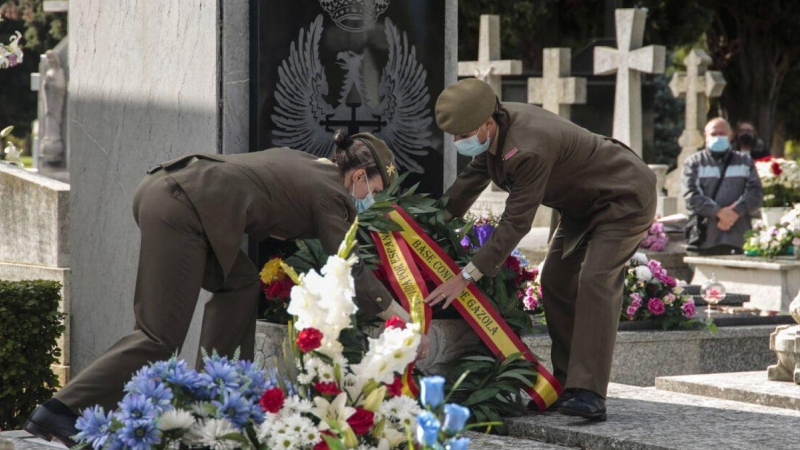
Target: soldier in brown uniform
(192,213)
(606,197)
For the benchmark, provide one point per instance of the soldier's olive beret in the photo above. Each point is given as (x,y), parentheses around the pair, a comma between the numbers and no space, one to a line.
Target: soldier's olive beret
(380,151)
(465,106)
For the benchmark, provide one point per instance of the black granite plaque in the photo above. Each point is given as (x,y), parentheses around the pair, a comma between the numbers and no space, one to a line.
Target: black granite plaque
(362,65)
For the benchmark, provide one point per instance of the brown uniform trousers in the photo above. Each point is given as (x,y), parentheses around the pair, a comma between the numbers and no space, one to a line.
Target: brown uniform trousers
(606,197)
(174,262)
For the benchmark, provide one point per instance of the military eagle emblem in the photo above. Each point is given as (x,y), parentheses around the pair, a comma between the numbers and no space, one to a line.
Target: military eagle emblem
(397,113)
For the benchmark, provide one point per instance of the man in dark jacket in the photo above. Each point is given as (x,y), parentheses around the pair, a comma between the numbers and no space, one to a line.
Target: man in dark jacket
(739,195)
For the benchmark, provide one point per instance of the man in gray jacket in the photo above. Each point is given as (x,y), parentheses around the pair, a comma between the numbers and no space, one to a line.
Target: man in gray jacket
(738,197)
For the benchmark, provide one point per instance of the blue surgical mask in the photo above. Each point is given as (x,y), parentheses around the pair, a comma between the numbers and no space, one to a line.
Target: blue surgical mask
(718,144)
(363,204)
(471,146)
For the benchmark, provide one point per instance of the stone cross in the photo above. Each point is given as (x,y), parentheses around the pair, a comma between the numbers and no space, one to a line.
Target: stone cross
(489,67)
(556,90)
(697,85)
(629,60)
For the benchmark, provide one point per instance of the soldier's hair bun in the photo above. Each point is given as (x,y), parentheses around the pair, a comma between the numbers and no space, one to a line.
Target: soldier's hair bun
(342,140)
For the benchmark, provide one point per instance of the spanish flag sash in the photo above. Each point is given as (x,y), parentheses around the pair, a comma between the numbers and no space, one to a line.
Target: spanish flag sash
(399,249)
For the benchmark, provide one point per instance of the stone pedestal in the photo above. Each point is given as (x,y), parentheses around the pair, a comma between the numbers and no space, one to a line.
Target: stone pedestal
(771,284)
(35,223)
(785,342)
(494,202)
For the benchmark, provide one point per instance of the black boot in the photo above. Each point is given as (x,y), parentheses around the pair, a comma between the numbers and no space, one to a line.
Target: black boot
(586,404)
(53,419)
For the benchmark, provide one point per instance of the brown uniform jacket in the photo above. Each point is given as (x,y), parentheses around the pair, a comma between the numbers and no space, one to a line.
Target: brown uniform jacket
(546,159)
(280,192)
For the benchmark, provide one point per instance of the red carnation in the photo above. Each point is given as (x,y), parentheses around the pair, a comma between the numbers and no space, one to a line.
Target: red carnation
(776,169)
(396,388)
(280,290)
(362,421)
(328,388)
(395,322)
(512,263)
(309,339)
(272,400)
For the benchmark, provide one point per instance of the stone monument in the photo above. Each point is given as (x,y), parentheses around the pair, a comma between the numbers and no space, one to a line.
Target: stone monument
(666,205)
(52,150)
(556,90)
(697,85)
(628,61)
(785,342)
(489,67)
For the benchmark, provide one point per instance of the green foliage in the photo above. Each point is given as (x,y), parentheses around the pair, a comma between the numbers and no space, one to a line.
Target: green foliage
(492,388)
(40,32)
(29,326)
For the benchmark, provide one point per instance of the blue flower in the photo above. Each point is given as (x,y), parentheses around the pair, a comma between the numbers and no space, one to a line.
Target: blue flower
(255,380)
(273,381)
(455,417)
(256,412)
(144,374)
(220,375)
(235,408)
(93,425)
(156,391)
(137,407)
(432,391)
(427,429)
(180,376)
(458,444)
(139,434)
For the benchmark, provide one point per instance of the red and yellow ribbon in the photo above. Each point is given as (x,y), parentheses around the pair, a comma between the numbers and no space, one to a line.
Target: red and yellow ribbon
(397,251)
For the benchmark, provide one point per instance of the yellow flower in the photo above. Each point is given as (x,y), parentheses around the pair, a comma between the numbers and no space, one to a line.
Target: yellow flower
(272,271)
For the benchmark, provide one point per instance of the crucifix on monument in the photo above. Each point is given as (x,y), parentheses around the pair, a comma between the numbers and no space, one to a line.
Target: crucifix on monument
(556,90)
(697,85)
(628,61)
(489,67)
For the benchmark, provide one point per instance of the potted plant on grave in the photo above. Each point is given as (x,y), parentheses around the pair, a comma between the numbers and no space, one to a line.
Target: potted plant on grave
(314,398)
(448,331)
(781,181)
(782,238)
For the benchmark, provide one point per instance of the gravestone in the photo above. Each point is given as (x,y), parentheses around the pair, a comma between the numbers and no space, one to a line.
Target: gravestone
(36,244)
(556,90)
(171,81)
(489,67)
(667,205)
(628,61)
(697,85)
(361,66)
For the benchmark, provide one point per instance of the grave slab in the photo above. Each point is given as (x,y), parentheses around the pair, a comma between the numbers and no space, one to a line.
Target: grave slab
(642,356)
(649,419)
(771,284)
(492,442)
(748,387)
(22,440)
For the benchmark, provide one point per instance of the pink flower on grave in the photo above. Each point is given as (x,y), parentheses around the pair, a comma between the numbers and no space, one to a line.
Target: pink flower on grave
(637,300)
(632,311)
(530,303)
(656,306)
(689,309)
(656,269)
(669,298)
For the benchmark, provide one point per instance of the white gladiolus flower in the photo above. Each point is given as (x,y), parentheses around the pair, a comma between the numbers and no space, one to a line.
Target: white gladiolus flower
(401,410)
(175,419)
(643,273)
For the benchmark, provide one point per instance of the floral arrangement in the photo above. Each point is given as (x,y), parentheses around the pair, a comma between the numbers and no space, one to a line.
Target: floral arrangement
(276,287)
(317,399)
(781,180)
(655,240)
(780,239)
(651,294)
(480,231)
(11,54)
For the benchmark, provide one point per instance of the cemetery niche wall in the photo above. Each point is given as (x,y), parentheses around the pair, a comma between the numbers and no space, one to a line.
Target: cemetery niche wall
(365,66)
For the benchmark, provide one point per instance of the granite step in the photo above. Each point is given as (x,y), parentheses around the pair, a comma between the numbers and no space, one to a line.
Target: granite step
(651,419)
(749,387)
(21,440)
